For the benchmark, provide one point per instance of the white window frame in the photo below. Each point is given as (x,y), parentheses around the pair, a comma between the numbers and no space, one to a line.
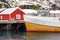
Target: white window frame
(0,17)
(18,16)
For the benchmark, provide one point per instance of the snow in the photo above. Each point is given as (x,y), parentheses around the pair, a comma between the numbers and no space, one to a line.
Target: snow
(2,2)
(1,9)
(29,11)
(9,10)
(28,3)
(54,11)
(25,3)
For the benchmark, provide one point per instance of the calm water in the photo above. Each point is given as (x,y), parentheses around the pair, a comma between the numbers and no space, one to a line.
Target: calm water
(43,36)
(8,35)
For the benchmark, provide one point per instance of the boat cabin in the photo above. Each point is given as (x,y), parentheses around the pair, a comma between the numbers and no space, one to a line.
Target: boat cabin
(54,13)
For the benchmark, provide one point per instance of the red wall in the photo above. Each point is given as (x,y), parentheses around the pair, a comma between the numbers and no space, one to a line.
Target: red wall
(13,15)
(4,17)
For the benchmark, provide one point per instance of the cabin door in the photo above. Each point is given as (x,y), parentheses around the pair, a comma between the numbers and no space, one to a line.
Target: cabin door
(12,19)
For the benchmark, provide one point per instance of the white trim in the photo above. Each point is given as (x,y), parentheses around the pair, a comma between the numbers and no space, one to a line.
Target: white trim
(18,16)
(1,16)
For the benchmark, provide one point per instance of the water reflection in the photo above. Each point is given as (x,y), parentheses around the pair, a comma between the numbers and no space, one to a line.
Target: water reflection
(11,35)
(43,36)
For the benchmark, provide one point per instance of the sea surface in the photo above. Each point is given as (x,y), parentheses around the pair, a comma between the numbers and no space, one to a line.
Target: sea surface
(12,35)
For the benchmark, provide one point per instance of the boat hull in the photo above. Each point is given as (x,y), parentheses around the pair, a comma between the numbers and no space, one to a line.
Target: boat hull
(31,27)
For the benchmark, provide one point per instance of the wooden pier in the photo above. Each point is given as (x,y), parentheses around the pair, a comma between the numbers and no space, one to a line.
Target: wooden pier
(13,27)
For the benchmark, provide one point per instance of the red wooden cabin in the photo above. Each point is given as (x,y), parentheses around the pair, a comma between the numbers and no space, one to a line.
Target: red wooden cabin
(12,15)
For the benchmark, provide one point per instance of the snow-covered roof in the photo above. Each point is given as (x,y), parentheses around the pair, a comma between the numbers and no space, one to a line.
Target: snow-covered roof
(25,3)
(1,9)
(29,11)
(9,10)
(54,11)
(35,2)
(2,2)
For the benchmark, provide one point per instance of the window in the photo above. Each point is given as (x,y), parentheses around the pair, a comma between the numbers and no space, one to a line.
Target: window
(0,17)
(18,16)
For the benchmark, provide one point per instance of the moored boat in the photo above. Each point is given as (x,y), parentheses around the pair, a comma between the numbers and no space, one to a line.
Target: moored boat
(51,23)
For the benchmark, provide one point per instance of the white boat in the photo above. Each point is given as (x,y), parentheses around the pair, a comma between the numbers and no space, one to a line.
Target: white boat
(51,23)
